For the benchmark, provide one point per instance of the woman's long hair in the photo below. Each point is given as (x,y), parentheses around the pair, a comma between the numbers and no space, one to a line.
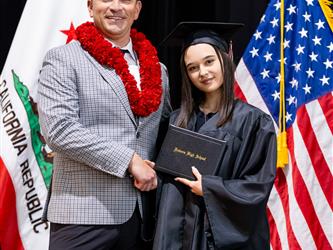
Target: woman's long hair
(192,97)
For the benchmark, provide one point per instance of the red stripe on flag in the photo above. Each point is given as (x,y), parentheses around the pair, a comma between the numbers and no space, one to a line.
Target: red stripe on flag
(9,233)
(274,235)
(282,189)
(304,200)
(238,92)
(326,103)
(318,161)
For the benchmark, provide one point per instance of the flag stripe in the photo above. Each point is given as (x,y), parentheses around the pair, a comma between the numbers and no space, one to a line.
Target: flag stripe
(321,130)
(9,233)
(274,236)
(277,213)
(248,87)
(326,103)
(239,93)
(297,220)
(281,186)
(319,164)
(304,201)
(318,198)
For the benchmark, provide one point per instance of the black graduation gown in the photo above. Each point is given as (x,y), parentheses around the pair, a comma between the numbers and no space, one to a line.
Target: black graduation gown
(232,212)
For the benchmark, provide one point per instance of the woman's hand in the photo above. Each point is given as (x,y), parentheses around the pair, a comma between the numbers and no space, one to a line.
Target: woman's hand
(196,186)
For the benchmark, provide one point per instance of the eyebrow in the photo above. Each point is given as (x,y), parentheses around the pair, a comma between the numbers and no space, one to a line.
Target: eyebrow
(205,58)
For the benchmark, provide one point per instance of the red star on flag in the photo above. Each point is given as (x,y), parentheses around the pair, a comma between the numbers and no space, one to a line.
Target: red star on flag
(70,33)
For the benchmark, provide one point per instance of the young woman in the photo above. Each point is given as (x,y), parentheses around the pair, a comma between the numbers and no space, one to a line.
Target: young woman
(227,210)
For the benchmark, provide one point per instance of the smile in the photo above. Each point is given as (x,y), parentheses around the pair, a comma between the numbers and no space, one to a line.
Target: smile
(207,81)
(116,18)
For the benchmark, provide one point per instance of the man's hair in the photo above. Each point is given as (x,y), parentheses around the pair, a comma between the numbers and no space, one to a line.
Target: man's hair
(191,97)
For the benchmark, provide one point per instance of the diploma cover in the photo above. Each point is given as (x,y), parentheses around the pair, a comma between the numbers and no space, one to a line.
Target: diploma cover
(182,149)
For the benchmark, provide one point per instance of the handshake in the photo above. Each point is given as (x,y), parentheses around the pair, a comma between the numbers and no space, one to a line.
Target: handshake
(145,178)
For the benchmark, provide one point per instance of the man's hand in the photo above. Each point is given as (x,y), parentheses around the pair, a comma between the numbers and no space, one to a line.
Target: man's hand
(145,178)
(196,186)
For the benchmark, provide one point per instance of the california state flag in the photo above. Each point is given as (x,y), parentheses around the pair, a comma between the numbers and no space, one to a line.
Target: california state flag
(25,160)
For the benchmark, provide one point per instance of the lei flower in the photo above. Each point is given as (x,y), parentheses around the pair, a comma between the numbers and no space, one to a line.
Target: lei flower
(143,102)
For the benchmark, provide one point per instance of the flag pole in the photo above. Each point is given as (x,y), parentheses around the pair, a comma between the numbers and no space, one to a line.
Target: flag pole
(282,148)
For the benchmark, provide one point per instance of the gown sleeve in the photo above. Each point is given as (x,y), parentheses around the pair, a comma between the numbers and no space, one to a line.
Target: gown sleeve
(236,205)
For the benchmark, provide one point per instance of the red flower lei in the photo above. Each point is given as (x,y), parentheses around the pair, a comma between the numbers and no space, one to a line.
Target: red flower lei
(143,102)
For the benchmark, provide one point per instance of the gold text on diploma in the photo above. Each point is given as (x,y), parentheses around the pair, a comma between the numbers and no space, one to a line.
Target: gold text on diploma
(189,154)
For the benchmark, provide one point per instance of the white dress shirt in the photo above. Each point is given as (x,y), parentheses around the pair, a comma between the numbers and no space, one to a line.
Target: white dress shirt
(132,61)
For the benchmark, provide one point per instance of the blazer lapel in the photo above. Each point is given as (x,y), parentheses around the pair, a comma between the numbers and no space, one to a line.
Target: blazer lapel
(110,76)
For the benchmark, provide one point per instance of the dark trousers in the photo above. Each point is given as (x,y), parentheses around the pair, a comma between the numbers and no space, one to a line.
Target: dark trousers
(126,236)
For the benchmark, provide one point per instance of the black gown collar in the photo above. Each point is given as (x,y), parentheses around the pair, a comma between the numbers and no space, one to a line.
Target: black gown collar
(198,122)
(202,119)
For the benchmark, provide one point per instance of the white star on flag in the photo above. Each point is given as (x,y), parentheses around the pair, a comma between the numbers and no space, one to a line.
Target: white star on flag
(316,40)
(328,63)
(304,33)
(324,80)
(257,35)
(300,49)
(320,24)
(307,89)
(313,56)
(254,52)
(310,73)
(265,74)
(307,17)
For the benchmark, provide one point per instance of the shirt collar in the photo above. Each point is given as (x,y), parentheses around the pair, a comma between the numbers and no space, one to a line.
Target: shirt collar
(128,46)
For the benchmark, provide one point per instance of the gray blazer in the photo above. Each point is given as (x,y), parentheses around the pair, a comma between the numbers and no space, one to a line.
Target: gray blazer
(87,121)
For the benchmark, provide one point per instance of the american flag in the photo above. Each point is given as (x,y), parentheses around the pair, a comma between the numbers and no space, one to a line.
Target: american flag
(301,201)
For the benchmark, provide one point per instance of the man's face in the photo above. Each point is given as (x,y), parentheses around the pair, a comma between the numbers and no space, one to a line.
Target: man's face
(114,18)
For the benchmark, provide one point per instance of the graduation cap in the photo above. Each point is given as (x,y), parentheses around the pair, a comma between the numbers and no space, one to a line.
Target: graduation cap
(190,33)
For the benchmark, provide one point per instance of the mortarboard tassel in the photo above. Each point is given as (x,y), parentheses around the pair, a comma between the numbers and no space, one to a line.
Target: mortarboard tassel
(230,52)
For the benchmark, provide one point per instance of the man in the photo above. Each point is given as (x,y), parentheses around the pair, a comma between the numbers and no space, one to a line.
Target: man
(101,115)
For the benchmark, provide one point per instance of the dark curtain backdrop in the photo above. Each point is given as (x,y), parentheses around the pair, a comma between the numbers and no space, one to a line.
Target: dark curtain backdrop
(158,18)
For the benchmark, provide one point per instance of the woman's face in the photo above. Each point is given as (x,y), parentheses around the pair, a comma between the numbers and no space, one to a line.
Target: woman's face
(204,68)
